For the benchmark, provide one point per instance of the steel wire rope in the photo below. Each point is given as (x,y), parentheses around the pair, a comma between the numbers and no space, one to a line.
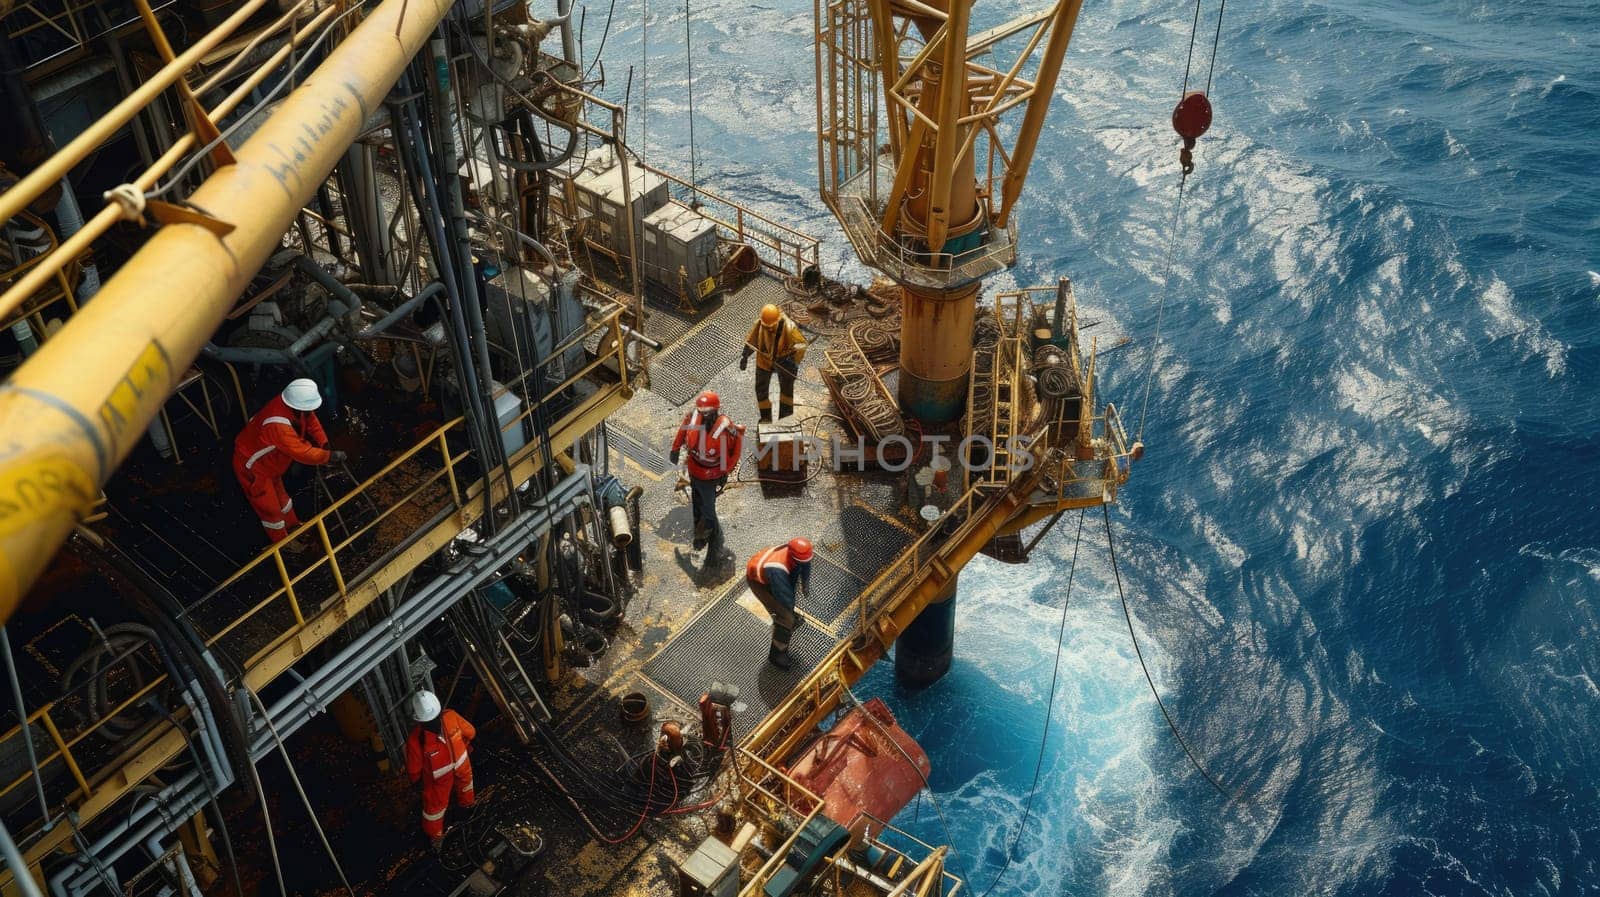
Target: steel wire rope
(201,154)
(1171,723)
(295,777)
(1172,228)
(211,794)
(644,82)
(688,58)
(1050,706)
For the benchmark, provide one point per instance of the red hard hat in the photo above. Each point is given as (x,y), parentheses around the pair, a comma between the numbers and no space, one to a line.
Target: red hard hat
(707,401)
(800,549)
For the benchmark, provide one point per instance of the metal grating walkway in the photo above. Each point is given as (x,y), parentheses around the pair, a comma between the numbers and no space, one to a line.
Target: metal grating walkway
(833,591)
(678,374)
(727,643)
(866,542)
(636,451)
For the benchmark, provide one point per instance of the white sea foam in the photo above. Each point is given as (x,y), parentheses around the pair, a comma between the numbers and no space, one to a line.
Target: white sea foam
(1506,321)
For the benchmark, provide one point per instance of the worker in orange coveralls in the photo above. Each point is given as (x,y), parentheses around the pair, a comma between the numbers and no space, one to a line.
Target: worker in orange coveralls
(436,756)
(775,576)
(285,431)
(714,443)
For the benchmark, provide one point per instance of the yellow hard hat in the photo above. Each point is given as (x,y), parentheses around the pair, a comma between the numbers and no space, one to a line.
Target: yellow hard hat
(770,315)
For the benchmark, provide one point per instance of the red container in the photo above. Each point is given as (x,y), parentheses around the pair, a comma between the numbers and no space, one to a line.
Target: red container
(863,765)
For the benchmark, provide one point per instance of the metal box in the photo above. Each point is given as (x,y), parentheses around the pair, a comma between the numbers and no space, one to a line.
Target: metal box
(711,871)
(677,238)
(507,406)
(781,451)
(599,194)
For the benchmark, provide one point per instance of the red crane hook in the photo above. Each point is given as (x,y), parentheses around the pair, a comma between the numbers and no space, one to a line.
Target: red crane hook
(1191,118)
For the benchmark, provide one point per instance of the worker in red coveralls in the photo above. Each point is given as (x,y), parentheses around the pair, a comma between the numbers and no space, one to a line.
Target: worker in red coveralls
(285,431)
(436,756)
(775,575)
(714,443)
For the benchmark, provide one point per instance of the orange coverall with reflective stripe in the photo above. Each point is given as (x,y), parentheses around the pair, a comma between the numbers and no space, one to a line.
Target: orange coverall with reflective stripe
(442,766)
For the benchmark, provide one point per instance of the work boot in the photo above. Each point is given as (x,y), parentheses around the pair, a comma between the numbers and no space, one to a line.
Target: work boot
(779,659)
(297,547)
(784,410)
(766,415)
(699,543)
(436,844)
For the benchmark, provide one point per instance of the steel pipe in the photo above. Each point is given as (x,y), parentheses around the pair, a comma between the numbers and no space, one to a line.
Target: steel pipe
(76,408)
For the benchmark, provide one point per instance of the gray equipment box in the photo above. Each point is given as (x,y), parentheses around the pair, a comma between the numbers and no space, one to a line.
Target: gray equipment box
(676,237)
(598,192)
(711,871)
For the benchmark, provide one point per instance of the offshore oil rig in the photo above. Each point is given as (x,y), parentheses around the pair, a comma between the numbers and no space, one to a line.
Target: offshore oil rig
(417,225)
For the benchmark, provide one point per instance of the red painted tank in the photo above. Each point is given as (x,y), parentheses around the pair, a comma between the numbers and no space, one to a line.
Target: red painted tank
(856,768)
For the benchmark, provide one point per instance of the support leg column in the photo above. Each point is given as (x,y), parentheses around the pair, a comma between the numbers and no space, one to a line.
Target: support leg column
(936,353)
(922,653)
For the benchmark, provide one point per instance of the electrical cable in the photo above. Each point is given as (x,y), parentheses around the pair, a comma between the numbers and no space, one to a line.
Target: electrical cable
(1050,706)
(1171,724)
(600,50)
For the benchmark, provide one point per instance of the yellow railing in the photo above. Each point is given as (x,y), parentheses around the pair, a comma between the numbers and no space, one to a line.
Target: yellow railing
(32,305)
(416,490)
(149,91)
(771,796)
(783,806)
(779,246)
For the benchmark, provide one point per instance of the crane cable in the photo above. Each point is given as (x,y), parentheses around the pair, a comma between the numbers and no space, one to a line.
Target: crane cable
(1227,795)
(644,82)
(1177,206)
(1050,706)
(688,58)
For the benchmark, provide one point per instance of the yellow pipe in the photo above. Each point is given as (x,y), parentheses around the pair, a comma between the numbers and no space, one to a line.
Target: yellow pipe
(96,227)
(56,167)
(76,408)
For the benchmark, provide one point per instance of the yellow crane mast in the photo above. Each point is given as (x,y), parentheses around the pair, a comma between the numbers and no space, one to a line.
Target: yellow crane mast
(908,105)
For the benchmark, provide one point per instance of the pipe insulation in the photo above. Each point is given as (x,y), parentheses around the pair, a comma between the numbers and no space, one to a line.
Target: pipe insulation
(75,409)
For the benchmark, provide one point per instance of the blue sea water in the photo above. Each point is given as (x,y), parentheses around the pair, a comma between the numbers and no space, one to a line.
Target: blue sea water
(1362,552)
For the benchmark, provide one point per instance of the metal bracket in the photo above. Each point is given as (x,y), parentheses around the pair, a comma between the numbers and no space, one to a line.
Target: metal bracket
(204,128)
(169,213)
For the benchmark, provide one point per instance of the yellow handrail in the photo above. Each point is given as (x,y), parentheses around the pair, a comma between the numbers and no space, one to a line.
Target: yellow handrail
(446,472)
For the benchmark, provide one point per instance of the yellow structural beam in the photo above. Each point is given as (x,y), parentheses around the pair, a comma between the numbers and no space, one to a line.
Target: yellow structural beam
(75,409)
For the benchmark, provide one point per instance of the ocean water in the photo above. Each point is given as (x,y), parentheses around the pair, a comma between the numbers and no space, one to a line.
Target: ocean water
(1362,552)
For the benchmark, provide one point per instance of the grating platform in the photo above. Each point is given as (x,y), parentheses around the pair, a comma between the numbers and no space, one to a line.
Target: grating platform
(636,451)
(833,591)
(872,542)
(729,643)
(678,374)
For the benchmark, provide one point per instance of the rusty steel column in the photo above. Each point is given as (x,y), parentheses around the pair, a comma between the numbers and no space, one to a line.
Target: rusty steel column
(936,325)
(75,409)
(936,352)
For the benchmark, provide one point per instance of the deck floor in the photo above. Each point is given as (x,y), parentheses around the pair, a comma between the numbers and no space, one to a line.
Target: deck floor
(690,625)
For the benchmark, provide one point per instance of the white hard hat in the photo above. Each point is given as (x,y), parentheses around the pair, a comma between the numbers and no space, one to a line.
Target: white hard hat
(424,706)
(302,395)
